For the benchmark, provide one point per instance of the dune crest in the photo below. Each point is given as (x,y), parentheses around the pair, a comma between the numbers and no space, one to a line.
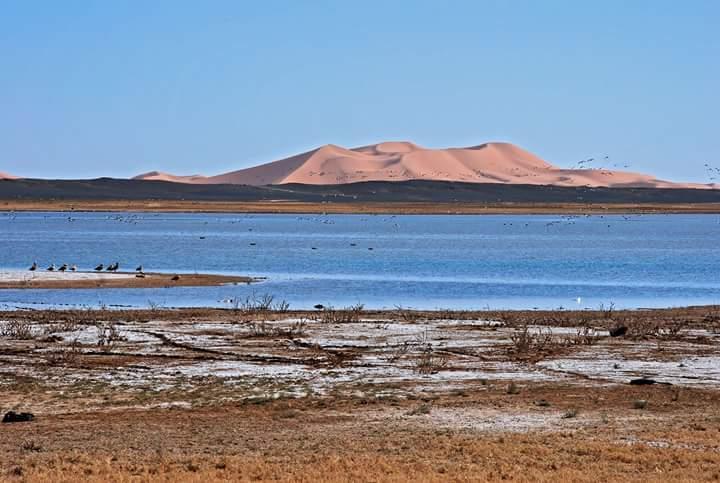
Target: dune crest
(493,162)
(160,176)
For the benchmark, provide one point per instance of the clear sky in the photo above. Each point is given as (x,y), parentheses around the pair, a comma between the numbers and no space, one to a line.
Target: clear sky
(116,88)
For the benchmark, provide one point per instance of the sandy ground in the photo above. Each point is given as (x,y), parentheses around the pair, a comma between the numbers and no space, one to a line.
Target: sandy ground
(418,208)
(247,394)
(73,280)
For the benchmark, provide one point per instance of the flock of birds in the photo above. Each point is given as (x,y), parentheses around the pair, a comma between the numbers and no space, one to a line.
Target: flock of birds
(113,267)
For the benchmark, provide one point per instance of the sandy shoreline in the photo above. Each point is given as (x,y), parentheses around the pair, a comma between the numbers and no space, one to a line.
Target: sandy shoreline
(78,280)
(409,208)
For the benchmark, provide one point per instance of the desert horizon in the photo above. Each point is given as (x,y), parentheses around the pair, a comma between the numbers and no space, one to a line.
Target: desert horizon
(491,162)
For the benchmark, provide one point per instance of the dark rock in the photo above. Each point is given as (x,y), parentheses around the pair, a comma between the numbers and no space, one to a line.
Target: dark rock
(618,331)
(644,381)
(13,417)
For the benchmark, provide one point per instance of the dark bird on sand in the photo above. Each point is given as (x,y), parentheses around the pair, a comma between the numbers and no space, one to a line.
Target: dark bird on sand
(99,268)
(63,268)
(51,268)
(33,267)
(175,278)
(139,268)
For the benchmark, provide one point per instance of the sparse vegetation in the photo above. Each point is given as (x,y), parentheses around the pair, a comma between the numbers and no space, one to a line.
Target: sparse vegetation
(255,304)
(529,342)
(430,362)
(108,335)
(18,329)
(348,315)
(65,354)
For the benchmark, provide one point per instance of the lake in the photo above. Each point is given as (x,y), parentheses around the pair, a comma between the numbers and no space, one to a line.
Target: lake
(418,261)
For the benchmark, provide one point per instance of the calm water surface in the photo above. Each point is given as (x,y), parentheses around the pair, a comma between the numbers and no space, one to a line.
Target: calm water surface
(381,261)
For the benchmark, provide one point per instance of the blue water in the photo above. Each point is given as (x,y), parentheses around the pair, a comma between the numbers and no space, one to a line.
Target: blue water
(519,261)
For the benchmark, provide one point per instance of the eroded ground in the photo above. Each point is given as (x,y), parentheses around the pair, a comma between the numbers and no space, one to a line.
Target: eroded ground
(252,394)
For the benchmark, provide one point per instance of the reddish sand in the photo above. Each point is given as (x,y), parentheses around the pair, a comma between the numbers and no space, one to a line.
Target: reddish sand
(7,176)
(160,176)
(400,161)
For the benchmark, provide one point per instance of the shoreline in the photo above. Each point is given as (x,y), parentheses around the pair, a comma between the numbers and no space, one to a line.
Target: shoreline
(85,280)
(700,314)
(400,208)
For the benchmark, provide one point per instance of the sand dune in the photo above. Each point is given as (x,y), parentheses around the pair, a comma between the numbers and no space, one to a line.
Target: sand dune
(7,176)
(400,161)
(159,176)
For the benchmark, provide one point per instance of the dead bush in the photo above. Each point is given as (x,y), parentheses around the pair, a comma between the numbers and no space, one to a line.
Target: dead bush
(430,362)
(264,329)
(18,329)
(108,335)
(66,354)
(348,315)
(258,304)
(406,315)
(526,341)
(583,336)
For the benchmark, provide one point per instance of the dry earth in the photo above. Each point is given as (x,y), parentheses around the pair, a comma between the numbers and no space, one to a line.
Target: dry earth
(408,208)
(250,394)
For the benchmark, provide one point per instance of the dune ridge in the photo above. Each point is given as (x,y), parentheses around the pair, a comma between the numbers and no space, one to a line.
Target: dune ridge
(493,162)
(7,176)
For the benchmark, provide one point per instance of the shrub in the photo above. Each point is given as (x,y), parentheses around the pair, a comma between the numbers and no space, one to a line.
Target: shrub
(348,315)
(18,329)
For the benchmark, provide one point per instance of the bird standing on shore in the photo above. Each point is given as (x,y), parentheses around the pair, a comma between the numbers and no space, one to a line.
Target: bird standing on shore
(73,268)
(63,268)
(51,268)
(33,267)
(99,268)
(139,268)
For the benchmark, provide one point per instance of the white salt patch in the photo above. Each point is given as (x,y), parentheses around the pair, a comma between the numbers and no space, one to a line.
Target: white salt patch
(26,276)
(686,371)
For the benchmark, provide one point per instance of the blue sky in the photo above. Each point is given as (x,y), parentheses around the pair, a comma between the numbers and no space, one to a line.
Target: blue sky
(93,88)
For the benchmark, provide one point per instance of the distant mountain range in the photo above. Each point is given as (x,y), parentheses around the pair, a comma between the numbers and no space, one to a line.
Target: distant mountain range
(495,162)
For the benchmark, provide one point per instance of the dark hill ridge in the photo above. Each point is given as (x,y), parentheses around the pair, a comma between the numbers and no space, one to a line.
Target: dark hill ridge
(371,191)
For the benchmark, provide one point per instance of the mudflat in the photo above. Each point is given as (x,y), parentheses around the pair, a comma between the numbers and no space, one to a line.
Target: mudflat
(209,395)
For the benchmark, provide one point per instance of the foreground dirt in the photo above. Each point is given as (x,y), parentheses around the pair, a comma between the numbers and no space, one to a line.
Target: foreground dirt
(358,207)
(132,280)
(337,395)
